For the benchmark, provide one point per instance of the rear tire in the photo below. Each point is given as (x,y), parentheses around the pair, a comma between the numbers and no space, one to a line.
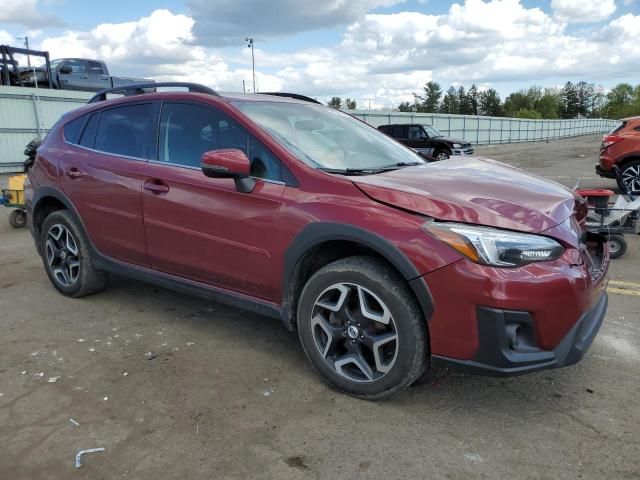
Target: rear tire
(66,255)
(362,329)
(18,219)
(617,245)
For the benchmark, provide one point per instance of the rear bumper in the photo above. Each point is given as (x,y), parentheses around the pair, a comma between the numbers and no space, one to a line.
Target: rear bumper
(496,357)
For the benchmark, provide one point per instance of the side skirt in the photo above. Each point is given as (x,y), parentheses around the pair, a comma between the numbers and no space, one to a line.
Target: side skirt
(189,287)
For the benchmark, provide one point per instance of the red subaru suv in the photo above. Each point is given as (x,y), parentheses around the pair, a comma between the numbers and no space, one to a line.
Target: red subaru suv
(621,147)
(384,264)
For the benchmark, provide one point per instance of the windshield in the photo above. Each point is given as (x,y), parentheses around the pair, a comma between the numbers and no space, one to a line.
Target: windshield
(433,132)
(325,138)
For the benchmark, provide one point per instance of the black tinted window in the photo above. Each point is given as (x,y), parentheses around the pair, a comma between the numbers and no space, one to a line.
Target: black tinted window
(73,128)
(89,134)
(127,131)
(95,67)
(187,131)
(399,131)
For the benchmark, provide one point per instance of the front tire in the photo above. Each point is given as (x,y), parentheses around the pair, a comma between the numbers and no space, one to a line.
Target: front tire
(67,257)
(442,155)
(629,178)
(362,329)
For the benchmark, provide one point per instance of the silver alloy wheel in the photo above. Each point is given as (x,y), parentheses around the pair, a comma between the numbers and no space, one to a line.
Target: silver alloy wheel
(443,156)
(354,332)
(631,179)
(62,255)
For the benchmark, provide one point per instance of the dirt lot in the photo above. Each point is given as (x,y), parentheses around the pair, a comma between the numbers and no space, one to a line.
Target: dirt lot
(175,387)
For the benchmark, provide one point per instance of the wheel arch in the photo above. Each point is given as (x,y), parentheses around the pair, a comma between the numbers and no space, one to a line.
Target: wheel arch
(45,201)
(321,243)
(628,159)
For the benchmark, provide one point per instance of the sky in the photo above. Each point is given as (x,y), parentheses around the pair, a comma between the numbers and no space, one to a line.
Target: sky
(378,52)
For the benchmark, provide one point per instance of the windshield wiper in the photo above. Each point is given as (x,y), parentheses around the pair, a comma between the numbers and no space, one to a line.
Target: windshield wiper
(369,170)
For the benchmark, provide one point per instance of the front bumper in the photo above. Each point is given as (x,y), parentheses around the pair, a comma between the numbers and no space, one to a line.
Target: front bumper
(496,357)
(462,151)
(509,321)
(604,173)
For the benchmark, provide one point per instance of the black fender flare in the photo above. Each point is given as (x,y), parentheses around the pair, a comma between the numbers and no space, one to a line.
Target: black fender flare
(318,233)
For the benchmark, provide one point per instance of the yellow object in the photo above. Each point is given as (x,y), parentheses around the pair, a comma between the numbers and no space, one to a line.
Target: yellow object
(14,194)
(16,182)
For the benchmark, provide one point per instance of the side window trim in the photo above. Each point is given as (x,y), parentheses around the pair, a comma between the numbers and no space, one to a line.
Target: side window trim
(285,172)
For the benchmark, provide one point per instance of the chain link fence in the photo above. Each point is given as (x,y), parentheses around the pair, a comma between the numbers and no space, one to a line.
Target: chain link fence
(491,130)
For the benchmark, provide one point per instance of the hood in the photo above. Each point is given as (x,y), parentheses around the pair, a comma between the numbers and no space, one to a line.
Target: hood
(473,190)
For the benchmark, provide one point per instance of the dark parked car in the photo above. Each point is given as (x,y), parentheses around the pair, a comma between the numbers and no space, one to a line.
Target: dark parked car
(427,140)
(621,147)
(384,263)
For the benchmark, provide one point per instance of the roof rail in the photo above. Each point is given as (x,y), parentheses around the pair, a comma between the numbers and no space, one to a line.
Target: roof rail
(140,88)
(297,96)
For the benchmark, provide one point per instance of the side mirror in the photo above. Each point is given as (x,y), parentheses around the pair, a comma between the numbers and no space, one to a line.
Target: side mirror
(65,69)
(229,163)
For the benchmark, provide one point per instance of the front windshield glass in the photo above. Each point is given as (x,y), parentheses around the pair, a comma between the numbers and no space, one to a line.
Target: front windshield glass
(433,132)
(326,138)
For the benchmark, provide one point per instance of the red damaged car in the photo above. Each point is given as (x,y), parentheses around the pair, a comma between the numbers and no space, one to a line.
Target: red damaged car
(383,263)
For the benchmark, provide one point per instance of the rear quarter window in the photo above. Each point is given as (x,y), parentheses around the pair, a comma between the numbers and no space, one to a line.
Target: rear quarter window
(73,129)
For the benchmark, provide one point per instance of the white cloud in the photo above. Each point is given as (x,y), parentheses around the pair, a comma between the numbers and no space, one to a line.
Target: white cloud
(5,37)
(382,57)
(224,22)
(583,11)
(27,13)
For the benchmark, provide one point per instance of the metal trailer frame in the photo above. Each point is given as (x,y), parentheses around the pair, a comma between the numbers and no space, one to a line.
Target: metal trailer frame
(8,60)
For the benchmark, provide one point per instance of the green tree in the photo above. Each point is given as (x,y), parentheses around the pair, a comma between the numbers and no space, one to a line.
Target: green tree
(570,101)
(527,113)
(335,102)
(350,104)
(515,102)
(490,104)
(473,99)
(430,102)
(450,102)
(406,107)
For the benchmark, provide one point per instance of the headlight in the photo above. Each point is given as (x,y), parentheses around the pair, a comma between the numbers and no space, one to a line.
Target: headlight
(456,145)
(495,247)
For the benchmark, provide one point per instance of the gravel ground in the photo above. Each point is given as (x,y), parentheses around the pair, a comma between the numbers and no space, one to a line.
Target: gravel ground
(176,387)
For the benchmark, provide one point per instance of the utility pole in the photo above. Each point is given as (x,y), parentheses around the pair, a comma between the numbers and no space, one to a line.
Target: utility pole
(26,45)
(253,61)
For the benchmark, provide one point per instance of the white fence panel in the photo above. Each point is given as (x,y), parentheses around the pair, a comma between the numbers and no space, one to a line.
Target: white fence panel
(481,130)
(26,113)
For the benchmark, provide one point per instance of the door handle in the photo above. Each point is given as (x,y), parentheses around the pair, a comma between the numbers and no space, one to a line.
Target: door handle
(156,187)
(73,172)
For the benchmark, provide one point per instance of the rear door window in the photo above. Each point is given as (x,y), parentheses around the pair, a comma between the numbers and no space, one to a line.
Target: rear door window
(128,131)
(95,67)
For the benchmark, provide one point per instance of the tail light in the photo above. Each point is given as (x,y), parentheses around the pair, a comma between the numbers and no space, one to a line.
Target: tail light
(609,140)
